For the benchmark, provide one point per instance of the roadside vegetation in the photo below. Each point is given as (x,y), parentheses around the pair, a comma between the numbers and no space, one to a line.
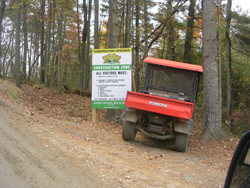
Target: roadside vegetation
(48,44)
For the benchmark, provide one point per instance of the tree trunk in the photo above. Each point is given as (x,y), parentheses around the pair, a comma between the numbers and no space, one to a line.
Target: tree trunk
(111,26)
(78,31)
(212,121)
(5,55)
(60,44)
(29,73)
(54,53)
(47,76)
(2,9)
(229,68)
(169,55)
(42,69)
(96,27)
(145,29)
(115,25)
(29,62)
(86,60)
(121,37)
(84,39)
(110,113)
(189,33)
(17,46)
(220,84)
(128,18)
(137,43)
(25,39)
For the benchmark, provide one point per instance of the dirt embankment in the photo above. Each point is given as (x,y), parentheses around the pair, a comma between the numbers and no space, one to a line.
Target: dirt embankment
(49,141)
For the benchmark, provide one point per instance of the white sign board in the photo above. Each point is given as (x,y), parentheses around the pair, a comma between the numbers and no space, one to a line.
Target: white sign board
(111,77)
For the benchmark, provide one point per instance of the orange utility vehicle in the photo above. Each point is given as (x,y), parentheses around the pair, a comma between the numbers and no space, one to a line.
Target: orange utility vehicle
(164,108)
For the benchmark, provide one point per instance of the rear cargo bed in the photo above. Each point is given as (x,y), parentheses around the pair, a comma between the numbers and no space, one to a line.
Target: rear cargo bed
(161,105)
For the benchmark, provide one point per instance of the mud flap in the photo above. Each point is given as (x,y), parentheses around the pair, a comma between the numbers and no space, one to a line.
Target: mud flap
(184,127)
(129,115)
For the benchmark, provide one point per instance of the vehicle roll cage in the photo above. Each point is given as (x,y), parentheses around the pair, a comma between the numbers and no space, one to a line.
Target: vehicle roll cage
(156,64)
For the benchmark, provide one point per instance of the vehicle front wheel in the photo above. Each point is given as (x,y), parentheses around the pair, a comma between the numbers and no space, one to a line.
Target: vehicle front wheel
(128,131)
(181,142)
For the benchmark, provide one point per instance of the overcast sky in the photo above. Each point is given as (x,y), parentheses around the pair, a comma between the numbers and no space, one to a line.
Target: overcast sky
(244,4)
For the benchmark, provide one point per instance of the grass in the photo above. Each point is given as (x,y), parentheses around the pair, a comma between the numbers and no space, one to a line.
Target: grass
(37,86)
(13,94)
(7,86)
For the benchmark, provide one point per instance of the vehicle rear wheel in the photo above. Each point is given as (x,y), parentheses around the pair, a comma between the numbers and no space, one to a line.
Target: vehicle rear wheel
(181,142)
(128,131)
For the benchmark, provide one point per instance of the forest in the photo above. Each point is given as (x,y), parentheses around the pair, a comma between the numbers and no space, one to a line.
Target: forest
(50,42)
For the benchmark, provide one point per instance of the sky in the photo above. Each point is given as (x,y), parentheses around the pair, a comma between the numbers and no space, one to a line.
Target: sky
(244,4)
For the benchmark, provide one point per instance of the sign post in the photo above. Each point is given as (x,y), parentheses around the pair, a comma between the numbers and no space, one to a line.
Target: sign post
(111,77)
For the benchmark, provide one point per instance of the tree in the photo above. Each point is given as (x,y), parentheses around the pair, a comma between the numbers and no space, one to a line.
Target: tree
(60,44)
(170,40)
(42,68)
(212,121)
(78,31)
(111,113)
(220,85)
(127,27)
(87,50)
(25,33)
(137,65)
(7,49)
(189,32)
(146,28)
(115,25)
(96,27)
(2,9)
(167,25)
(17,46)
(228,58)
(83,49)
(48,45)
(111,25)
(54,53)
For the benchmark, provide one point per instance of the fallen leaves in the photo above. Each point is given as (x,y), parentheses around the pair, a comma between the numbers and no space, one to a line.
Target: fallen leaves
(131,158)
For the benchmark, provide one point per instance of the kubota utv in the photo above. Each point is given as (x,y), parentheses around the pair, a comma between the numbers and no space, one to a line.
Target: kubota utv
(164,108)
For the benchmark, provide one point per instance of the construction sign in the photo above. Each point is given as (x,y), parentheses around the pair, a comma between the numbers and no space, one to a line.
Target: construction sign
(111,77)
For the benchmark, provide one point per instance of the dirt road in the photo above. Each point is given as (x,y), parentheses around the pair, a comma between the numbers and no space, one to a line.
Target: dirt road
(38,151)
(29,160)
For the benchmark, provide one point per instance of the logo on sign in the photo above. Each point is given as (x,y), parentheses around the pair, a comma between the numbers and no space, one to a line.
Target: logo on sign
(158,104)
(111,59)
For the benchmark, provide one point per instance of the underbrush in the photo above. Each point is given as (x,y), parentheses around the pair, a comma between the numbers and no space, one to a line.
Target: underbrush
(39,96)
(241,121)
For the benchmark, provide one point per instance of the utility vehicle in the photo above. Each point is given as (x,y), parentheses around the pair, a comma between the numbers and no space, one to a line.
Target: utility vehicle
(164,108)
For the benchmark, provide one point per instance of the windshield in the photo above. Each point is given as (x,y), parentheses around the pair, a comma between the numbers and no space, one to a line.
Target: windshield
(172,79)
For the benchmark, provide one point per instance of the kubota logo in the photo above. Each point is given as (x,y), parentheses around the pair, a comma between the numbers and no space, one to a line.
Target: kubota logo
(158,104)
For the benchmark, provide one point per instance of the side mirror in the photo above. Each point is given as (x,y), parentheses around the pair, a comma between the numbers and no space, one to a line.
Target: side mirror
(238,175)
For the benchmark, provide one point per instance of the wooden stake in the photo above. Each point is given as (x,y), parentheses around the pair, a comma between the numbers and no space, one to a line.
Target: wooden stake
(93,115)
(133,80)
(98,113)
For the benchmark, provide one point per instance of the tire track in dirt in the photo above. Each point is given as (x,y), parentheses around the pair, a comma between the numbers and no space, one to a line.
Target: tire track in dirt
(28,163)
(25,165)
